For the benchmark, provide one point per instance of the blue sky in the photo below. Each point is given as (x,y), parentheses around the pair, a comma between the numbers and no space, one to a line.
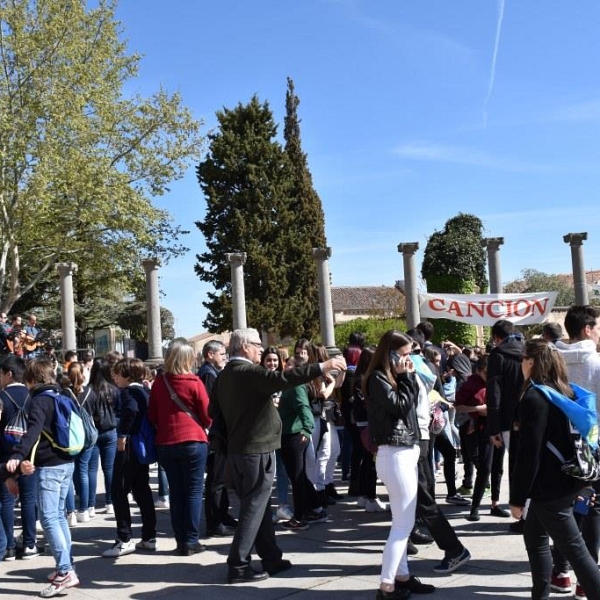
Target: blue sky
(411,113)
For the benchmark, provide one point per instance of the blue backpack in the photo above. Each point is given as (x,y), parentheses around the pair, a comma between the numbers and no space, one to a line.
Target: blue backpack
(142,441)
(68,434)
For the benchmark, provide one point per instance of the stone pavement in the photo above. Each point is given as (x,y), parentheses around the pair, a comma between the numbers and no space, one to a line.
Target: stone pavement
(335,560)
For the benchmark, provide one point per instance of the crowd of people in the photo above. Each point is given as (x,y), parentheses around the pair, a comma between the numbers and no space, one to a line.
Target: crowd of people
(253,417)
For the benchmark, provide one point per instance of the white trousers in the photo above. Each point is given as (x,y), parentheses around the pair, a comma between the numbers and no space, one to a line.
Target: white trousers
(397,468)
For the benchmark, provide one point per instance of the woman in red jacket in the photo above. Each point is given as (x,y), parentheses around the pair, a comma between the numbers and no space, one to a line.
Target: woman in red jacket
(179,410)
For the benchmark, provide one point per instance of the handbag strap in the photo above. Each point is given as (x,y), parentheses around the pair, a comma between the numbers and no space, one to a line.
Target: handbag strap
(179,403)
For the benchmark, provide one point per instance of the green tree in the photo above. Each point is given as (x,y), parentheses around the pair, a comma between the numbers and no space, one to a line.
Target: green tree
(245,179)
(372,328)
(454,262)
(306,230)
(79,160)
(532,280)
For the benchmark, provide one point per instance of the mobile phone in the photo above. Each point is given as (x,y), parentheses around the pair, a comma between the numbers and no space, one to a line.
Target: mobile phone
(394,358)
(334,373)
(583,502)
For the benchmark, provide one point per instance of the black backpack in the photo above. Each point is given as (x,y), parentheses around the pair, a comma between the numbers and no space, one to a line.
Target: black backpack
(16,426)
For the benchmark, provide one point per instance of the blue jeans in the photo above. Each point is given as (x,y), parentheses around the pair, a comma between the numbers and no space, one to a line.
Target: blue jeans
(27,494)
(185,465)
(86,477)
(2,535)
(282,480)
(7,519)
(107,445)
(70,500)
(52,487)
(163,482)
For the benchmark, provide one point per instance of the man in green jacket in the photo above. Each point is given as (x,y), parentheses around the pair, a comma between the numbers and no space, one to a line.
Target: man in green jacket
(242,395)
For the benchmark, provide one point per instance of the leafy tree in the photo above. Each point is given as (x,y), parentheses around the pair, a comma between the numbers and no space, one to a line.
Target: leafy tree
(246,181)
(307,228)
(133,315)
(536,281)
(79,161)
(260,200)
(372,328)
(454,262)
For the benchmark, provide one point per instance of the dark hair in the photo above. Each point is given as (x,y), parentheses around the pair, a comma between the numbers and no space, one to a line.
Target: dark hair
(417,335)
(578,318)
(352,355)
(548,367)
(271,350)
(426,328)
(390,341)
(15,365)
(131,368)
(552,332)
(502,329)
(101,380)
(70,355)
(356,338)
(481,363)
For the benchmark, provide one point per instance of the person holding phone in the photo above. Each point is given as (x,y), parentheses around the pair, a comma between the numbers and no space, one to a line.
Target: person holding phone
(391,392)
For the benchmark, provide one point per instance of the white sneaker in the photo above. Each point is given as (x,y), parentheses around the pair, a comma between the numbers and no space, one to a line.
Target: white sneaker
(60,583)
(92,512)
(361,502)
(375,506)
(72,519)
(284,512)
(119,548)
(162,503)
(146,545)
(110,509)
(83,516)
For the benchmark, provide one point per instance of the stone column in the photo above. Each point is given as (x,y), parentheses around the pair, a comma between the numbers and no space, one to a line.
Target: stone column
(492,245)
(576,241)
(67,305)
(410,283)
(236,261)
(153,310)
(321,257)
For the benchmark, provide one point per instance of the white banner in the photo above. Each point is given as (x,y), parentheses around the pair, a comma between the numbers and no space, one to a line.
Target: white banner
(486,309)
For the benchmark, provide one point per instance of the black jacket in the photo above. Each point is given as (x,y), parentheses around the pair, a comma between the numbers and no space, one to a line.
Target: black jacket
(537,471)
(392,414)
(504,383)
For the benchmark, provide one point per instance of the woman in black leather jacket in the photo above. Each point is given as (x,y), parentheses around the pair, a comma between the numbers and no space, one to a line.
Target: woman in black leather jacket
(391,392)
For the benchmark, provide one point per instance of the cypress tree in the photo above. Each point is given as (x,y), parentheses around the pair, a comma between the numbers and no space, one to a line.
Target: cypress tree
(454,262)
(307,228)
(245,180)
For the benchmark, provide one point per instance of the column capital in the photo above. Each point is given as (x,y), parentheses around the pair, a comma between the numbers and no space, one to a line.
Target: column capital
(150,264)
(236,259)
(66,268)
(492,243)
(321,253)
(575,239)
(408,248)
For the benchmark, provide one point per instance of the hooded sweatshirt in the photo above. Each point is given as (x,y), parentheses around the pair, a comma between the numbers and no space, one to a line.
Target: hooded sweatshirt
(583,365)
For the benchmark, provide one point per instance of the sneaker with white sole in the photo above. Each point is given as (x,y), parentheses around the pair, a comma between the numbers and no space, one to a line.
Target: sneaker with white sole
(162,503)
(92,512)
(110,509)
(83,516)
(450,563)
(29,553)
(284,512)
(119,548)
(59,583)
(561,583)
(375,506)
(458,500)
(579,593)
(361,502)
(146,545)
(72,519)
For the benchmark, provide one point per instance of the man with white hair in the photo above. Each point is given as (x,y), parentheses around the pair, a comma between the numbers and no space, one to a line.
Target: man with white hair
(242,395)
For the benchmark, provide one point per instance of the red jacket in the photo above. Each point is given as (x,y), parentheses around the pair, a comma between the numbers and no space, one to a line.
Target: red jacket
(173,426)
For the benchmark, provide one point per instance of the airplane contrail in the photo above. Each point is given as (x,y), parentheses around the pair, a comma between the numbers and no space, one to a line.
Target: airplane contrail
(501,4)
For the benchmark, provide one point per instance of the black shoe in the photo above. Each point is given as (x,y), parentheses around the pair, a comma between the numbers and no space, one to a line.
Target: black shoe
(517,526)
(229,521)
(498,511)
(395,595)
(411,549)
(418,537)
(474,515)
(331,492)
(414,585)
(11,554)
(220,531)
(191,550)
(272,568)
(245,575)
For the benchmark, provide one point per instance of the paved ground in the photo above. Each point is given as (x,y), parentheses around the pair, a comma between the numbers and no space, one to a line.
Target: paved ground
(335,560)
